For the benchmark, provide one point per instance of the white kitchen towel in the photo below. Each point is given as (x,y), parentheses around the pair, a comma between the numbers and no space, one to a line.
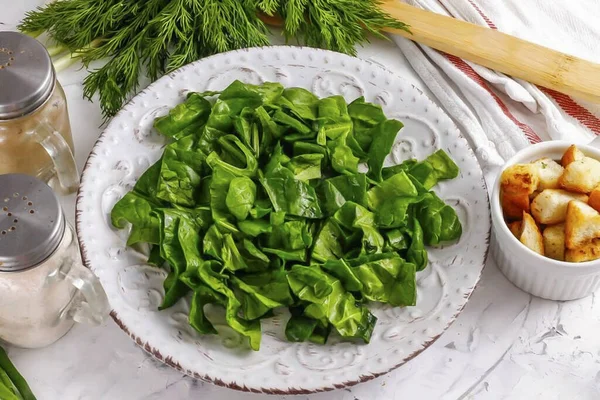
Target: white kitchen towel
(500,115)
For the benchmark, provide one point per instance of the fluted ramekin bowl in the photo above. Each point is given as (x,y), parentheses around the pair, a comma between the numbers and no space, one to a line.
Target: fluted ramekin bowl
(526,269)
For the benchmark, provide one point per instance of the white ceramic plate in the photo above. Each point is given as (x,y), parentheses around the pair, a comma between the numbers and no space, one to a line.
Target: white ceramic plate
(129,145)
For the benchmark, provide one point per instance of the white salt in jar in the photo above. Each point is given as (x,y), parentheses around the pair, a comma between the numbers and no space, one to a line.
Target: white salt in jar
(44,288)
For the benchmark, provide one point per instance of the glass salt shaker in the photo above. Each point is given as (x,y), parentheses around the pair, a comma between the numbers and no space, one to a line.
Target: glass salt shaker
(35,134)
(44,288)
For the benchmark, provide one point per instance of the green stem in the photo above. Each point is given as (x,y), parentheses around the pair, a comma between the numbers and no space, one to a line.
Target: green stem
(55,50)
(16,378)
(64,62)
(6,385)
(67,60)
(6,394)
(34,34)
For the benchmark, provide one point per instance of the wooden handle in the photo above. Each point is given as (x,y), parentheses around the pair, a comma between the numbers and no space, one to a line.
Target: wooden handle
(495,50)
(499,51)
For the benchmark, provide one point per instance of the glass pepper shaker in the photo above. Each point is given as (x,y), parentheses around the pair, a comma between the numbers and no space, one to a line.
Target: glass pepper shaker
(35,134)
(44,288)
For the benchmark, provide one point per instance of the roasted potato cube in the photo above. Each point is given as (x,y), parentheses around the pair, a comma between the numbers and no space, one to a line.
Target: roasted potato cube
(572,154)
(513,205)
(520,179)
(550,206)
(549,172)
(530,234)
(581,176)
(534,195)
(588,252)
(582,225)
(554,241)
(594,200)
(515,228)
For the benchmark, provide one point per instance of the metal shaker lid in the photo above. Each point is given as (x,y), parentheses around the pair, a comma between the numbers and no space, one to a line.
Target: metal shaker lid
(26,75)
(32,223)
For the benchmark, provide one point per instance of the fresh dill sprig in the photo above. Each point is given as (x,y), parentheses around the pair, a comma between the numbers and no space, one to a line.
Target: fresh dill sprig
(158,36)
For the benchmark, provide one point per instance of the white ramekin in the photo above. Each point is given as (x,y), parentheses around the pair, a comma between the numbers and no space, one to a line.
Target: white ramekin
(533,273)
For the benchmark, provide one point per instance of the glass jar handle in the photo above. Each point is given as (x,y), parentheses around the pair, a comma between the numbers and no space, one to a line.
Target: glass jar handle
(61,155)
(90,305)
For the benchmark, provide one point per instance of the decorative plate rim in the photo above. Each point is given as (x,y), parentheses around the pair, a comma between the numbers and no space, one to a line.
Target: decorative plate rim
(156,354)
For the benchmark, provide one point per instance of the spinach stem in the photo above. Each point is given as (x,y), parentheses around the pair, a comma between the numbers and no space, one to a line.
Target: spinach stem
(17,379)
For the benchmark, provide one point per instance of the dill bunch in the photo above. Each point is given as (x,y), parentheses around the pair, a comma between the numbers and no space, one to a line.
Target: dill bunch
(158,36)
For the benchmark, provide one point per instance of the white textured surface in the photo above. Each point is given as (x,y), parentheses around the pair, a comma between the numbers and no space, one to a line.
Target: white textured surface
(129,145)
(504,345)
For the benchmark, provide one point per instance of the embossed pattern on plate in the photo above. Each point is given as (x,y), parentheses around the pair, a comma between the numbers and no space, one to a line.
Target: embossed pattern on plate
(129,145)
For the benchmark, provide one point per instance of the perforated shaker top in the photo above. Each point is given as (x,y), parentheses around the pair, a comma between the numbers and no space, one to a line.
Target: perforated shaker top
(26,75)
(32,223)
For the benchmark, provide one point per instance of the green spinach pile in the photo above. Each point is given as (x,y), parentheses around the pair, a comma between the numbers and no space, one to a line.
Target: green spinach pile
(258,203)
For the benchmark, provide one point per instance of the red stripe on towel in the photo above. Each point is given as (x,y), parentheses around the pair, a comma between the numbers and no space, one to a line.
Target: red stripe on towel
(565,102)
(580,113)
(471,73)
(485,17)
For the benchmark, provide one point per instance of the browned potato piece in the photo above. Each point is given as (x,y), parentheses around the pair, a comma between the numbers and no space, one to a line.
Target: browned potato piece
(530,234)
(581,175)
(513,205)
(582,225)
(572,154)
(588,252)
(549,172)
(534,195)
(550,206)
(520,179)
(594,200)
(554,241)
(515,228)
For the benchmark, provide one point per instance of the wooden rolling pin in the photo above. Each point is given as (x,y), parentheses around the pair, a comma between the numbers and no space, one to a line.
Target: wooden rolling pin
(498,51)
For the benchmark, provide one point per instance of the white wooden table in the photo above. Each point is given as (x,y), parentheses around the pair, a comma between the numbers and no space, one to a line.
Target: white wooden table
(506,344)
